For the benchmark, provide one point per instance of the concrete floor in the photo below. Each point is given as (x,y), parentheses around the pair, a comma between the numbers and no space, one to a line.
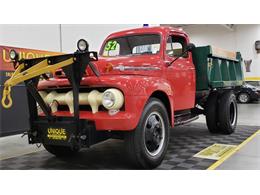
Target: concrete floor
(249,114)
(247,158)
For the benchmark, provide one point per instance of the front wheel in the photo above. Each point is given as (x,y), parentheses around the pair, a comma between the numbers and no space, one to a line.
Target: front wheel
(147,144)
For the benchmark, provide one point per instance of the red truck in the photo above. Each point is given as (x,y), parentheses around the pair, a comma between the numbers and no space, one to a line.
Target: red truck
(142,83)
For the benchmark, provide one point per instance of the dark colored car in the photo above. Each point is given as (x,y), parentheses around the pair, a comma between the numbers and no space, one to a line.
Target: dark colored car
(247,93)
(255,83)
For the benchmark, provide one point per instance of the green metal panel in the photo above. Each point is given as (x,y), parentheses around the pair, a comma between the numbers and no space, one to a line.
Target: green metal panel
(215,71)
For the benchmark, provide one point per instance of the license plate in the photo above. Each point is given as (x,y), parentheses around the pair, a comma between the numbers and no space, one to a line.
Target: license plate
(63,131)
(57,134)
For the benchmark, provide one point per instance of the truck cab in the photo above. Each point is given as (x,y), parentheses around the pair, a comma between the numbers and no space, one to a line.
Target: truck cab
(157,47)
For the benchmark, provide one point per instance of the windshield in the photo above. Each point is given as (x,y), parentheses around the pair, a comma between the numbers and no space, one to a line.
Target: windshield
(249,85)
(132,45)
(254,83)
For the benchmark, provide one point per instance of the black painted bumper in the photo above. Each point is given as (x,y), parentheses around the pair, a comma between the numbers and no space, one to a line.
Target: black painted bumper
(65,131)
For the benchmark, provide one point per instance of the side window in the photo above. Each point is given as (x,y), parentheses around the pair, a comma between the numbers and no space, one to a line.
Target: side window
(148,49)
(175,46)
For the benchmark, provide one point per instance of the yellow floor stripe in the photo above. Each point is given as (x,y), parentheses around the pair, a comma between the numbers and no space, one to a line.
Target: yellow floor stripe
(224,158)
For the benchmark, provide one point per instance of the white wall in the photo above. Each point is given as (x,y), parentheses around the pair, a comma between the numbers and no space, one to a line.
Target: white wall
(242,39)
(211,34)
(39,36)
(93,33)
(246,35)
(57,37)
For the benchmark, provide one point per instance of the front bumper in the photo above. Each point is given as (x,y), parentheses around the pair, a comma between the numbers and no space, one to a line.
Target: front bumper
(255,95)
(89,129)
(124,120)
(65,131)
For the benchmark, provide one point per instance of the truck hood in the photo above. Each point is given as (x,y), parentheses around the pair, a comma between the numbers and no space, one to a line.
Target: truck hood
(133,65)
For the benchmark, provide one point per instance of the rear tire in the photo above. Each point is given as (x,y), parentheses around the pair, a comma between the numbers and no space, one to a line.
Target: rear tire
(61,151)
(146,146)
(211,113)
(227,112)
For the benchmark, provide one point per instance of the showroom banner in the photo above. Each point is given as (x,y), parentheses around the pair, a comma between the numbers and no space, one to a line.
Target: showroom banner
(19,124)
(6,67)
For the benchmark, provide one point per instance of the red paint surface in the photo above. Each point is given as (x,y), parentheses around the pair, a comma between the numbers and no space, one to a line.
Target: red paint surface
(176,81)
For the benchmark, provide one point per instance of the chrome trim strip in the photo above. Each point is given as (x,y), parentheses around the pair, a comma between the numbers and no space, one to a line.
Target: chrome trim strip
(124,68)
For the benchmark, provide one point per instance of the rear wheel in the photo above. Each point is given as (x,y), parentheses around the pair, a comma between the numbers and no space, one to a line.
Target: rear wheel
(211,112)
(147,144)
(227,113)
(221,112)
(61,151)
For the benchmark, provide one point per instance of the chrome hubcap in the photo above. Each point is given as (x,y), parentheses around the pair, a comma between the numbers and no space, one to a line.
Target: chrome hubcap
(154,134)
(243,98)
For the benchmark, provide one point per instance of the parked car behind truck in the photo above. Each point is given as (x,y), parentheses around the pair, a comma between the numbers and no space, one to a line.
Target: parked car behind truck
(144,82)
(247,93)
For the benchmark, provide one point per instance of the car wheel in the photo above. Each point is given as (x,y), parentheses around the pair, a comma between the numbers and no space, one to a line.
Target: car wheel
(146,146)
(61,151)
(243,98)
(227,112)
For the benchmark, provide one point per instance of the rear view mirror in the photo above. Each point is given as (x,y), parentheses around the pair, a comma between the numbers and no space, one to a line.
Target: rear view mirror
(190,47)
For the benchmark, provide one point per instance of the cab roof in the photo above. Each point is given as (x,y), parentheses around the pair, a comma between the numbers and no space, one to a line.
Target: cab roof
(156,30)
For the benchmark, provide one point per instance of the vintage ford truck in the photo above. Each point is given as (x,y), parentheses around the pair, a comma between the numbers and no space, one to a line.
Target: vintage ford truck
(142,83)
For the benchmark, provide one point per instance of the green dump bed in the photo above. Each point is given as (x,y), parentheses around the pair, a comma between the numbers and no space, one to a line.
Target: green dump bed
(217,68)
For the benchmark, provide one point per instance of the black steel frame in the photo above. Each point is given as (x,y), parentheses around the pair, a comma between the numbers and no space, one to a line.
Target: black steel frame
(74,73)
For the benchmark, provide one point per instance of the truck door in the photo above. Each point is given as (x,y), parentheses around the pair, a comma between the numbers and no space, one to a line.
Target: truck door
(180,73)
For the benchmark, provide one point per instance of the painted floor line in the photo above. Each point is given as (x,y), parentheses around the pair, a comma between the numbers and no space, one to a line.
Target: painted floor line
(224,158)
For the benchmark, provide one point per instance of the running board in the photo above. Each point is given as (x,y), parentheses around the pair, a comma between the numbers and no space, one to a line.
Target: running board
(184,119)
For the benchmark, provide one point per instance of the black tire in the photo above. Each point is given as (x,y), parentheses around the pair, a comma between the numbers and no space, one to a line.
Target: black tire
(141,143)
(227,112)
(211,112)
(61,151)
(243,98)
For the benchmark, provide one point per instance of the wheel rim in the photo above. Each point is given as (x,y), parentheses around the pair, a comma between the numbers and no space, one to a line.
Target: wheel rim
(243,98)
(233,113)
(154,134)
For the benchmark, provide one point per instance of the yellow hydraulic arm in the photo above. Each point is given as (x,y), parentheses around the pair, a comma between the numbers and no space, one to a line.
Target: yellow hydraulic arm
(21,75)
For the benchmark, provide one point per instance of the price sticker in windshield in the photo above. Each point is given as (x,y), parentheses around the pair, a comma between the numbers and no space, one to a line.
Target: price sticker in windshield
(111,45)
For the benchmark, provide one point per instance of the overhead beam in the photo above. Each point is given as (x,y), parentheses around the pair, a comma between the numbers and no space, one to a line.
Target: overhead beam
(230,27)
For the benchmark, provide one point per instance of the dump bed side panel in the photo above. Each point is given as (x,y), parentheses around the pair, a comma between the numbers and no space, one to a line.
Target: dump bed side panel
(217,68)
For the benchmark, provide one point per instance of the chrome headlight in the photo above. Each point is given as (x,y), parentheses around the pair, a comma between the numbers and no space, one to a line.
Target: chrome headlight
(113,99)
(13,55)
(82,45)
